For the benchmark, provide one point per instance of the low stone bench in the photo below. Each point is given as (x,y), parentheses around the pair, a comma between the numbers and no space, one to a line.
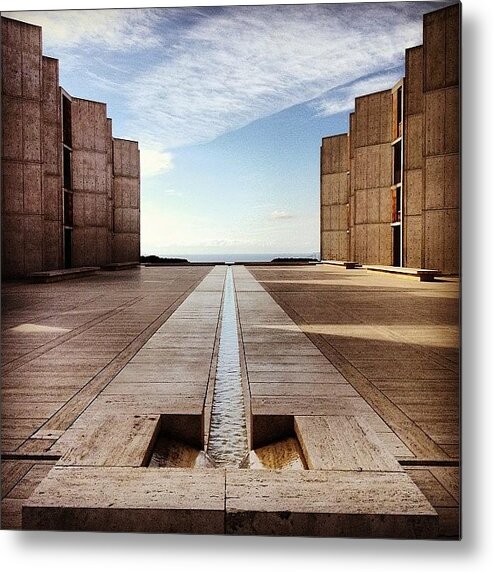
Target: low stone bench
(62,274)
(120,265)
(348,264)
(424,275)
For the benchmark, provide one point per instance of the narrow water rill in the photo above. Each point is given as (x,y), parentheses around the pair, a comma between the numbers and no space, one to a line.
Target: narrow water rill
(228,443)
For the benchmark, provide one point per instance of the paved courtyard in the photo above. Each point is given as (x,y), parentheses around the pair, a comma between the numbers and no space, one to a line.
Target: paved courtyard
(90,366)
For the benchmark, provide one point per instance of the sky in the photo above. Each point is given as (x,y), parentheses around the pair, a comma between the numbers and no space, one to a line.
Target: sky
(229,105)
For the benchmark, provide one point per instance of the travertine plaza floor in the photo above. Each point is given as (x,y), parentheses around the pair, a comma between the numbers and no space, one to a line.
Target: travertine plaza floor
(83,384)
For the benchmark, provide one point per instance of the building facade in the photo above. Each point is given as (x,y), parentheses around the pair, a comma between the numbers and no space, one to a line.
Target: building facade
(70,191)
(390,188)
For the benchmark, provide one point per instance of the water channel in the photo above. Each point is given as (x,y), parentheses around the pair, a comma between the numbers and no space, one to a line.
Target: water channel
(228,443)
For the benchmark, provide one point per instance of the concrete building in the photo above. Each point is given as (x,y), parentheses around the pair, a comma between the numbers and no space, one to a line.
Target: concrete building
(390,189)
(70,191)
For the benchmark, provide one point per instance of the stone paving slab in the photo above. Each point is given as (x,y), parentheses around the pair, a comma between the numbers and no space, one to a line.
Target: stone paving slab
(122,441)
(169,375)
(342,443)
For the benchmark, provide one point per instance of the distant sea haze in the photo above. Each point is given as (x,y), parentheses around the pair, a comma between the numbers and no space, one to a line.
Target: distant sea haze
(251,257)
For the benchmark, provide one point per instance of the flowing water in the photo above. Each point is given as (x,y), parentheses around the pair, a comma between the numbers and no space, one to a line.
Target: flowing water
(228,443)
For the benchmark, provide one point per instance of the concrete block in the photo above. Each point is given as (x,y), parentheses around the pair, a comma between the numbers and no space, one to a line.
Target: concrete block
(327,503)
(128,500)
(413,189)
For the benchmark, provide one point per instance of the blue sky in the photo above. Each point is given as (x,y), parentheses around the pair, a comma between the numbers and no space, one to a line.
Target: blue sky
(229,105)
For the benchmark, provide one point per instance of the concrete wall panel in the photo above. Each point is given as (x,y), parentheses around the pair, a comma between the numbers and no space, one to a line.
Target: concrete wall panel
(413,145)
(413,184)
(31,75)
(32,189)
(451,171)
(451,224)
(12,246)
(452,120)
(126,201)
(31,130)
(385,213)
(33,244)
(441,39)
(412,240)
(385,244)
(11,71)
(52,198)
(413,86)
(373,205)
(52,240)
(12,188)
(12,111)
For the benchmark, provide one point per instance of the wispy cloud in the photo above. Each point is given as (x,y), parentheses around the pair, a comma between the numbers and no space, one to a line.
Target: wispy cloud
(281,215)
(154,162)
(342,98)
(241,64)
(186,75)
(115,30)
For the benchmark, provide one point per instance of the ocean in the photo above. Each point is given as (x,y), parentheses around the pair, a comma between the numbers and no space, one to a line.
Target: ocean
(230,258)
